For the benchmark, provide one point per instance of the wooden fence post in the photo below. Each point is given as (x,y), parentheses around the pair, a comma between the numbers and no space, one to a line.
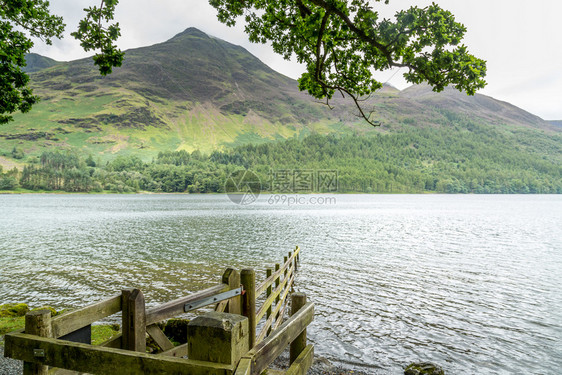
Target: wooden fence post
(134,320)
(269,290)
(37,323)
(232,278)
(277,282)
(248,279)
(218,337)
(298,300)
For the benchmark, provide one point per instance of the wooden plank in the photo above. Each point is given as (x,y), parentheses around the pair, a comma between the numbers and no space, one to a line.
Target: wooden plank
(244,367)
(274,315)
(99,360)
(285,303)
(221,306)
(268,292)
(173,308)
(303,362)
(264,353)
(74,320)
(231,277)
(298,300)
(157,335)
(267,303)
(114,342)
(178,351)
(134,321)
(37,323)
(248,279)
(271,279)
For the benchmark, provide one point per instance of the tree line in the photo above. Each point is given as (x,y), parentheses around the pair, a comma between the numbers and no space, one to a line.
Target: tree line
(463,158)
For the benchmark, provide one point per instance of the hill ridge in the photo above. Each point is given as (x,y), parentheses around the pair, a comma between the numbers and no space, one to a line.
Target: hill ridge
(195,91)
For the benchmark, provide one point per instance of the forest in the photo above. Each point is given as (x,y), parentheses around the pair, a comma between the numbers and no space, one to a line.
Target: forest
(466,157)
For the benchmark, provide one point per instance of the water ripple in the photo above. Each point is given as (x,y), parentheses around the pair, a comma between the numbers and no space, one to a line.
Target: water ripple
(470,282)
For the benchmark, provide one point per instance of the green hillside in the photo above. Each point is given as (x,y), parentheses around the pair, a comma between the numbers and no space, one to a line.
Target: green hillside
(198,93)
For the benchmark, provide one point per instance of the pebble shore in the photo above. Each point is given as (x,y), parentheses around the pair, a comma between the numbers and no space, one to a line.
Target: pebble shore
(9,366)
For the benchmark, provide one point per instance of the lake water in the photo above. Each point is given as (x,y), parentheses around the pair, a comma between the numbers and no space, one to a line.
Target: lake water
(470,282)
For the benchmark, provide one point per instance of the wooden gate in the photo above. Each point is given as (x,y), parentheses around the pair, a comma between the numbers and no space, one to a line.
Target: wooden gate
(45,341)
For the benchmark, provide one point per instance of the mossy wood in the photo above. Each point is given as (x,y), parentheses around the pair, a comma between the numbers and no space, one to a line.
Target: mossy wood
(244,367)
(37,323)
(114,342)
(264,353)
(159,337)
(303,362)
(298,300)
(100,360)
(74,320)
(177,351)
(218,337)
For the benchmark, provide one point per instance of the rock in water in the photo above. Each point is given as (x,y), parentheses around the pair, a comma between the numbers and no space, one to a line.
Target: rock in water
(423,368)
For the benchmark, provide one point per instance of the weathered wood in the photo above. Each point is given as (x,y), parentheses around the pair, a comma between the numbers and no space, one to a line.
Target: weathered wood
(277,279)
(267,303)
(99,360)
(285,303)
(133,320)
(248,279)
(221,306)
(298,300)
(231,277)
(264,353)
(303,362)
(177,351)
(37,323)
(260,289)
(173,308)
(244,367)
(74,320)
(159,337)
(278,272)
(114,342)
(269,290)
(272,318)
(218,337)
(296,259)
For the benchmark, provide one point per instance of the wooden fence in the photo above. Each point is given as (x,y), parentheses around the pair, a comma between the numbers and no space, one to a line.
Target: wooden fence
(47,341)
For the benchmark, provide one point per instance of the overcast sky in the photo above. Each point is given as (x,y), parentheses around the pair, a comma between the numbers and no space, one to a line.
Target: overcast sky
(521,41)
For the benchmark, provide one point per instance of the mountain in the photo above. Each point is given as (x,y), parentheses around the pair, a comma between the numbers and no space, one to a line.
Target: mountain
(557,123)
(197,92)
(37,62)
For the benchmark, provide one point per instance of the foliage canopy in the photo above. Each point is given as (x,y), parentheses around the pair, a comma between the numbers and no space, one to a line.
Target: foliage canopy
(341,43)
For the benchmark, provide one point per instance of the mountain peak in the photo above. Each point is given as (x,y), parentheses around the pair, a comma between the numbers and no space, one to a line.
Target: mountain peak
(36,62)
(190,31)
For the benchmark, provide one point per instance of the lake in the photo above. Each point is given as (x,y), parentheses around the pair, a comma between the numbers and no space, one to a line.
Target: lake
(471,282)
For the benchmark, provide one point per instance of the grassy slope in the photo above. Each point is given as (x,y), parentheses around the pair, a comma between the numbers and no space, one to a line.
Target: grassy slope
(197,92)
